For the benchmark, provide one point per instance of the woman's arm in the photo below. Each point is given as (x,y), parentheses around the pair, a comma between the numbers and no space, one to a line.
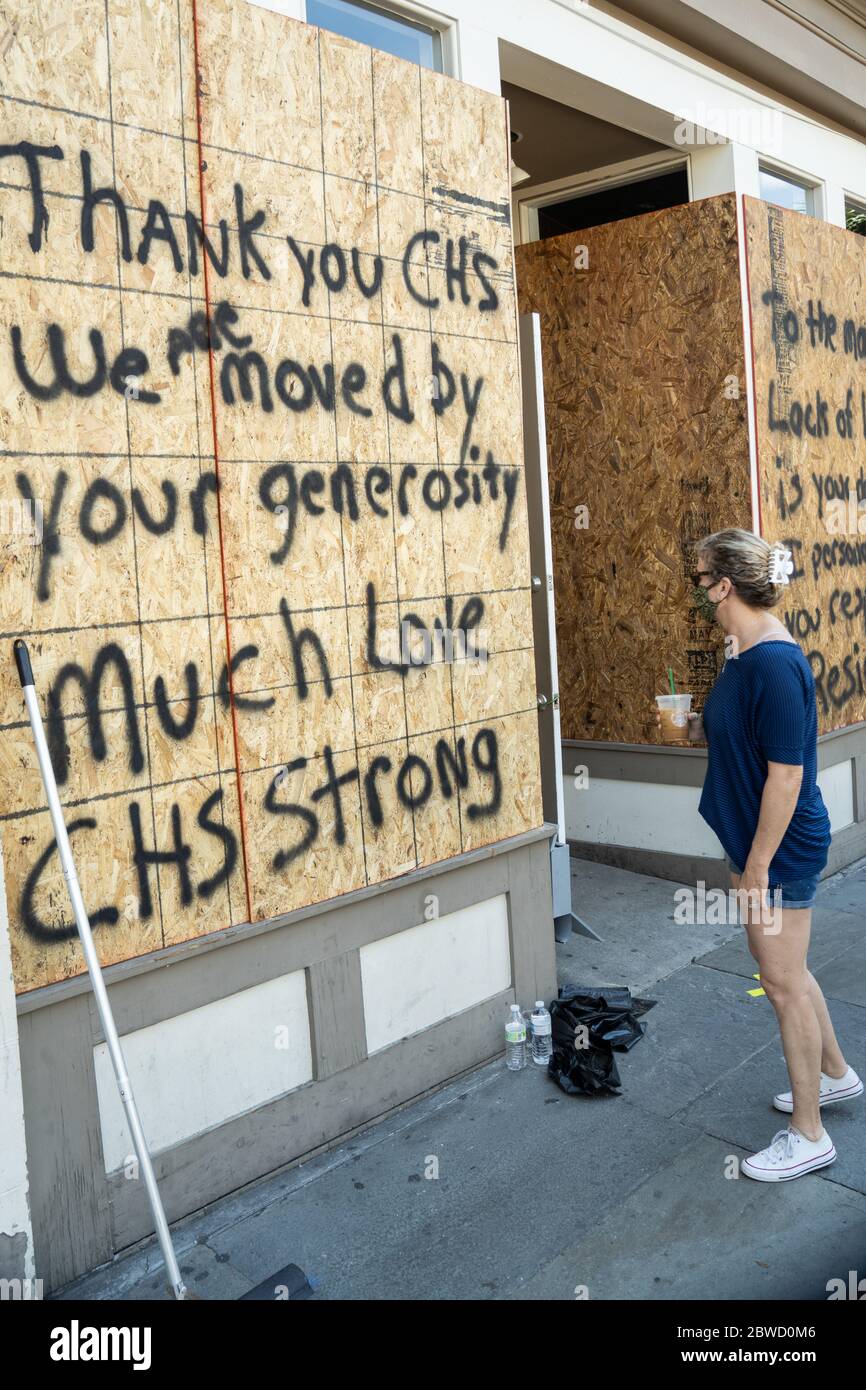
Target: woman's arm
(778,801)
(780,730)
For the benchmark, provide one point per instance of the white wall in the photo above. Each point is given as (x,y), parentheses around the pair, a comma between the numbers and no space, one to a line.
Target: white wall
(644,815)
(837,789)
(657,816)
(203,1067)
(643,78)
(581,56)
(596,62)
(419,977)
(15,1230)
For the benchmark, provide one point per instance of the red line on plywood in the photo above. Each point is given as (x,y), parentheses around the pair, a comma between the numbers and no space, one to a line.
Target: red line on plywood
(207,303)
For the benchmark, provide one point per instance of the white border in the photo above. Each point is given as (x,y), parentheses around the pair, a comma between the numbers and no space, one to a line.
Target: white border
(815,186)
(527,200)
(445,25)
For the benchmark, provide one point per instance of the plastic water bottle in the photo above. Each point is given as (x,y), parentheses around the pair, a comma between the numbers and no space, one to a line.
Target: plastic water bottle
(515,1040)
(542,1034)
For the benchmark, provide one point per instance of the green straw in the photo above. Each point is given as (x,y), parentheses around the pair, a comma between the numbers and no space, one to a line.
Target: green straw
(671,679)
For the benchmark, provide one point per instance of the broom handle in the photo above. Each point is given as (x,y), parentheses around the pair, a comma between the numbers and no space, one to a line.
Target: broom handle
(25,671)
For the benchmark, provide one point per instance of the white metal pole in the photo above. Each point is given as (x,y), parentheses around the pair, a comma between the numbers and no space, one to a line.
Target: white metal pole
(25,671)
(546,536)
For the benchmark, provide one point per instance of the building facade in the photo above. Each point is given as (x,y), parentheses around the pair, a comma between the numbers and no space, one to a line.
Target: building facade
(392,981)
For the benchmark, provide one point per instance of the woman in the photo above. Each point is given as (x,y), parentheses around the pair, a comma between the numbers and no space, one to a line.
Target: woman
(761,798)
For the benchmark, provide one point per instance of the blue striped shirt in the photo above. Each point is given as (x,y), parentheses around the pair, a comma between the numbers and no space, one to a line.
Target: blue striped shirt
(762,709)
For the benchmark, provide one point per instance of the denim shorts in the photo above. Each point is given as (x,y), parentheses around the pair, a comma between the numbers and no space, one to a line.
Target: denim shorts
(800,892)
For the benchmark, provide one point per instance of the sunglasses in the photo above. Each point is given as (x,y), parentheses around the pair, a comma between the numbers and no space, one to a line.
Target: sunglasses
(697,575)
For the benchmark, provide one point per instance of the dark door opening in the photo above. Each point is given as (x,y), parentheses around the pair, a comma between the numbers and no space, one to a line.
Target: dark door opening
(613,204)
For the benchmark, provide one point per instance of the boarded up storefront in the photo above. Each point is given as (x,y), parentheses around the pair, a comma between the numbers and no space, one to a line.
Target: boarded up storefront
(807,292)
(646,416)
(260,418)
(341,354)
(646,369)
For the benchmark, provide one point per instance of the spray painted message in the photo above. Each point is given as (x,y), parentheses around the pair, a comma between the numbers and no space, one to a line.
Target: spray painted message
(808,303)
(259,386)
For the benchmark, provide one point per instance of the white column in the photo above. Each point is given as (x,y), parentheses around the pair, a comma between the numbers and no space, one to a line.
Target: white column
(726,168)
(16,1235)
(834,204)
(478,58)
(294,9)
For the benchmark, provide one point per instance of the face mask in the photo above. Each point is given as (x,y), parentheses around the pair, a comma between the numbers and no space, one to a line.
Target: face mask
(704,604)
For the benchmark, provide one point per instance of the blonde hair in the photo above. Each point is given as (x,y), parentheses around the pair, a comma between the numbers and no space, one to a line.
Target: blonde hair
(745,559)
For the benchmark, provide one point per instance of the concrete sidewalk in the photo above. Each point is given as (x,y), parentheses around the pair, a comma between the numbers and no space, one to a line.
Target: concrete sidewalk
(539,1194)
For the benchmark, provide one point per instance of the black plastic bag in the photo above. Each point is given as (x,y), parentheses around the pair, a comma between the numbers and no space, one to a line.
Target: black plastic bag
(610,1017)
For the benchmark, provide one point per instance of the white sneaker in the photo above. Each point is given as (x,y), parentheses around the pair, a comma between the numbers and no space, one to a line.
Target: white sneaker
(833,1089)
(789,1155)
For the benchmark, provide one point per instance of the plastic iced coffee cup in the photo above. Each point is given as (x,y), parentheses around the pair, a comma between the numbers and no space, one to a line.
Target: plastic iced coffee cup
(674,716)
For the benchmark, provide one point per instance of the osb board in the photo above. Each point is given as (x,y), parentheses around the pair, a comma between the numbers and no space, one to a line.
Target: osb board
(645,407)
(363,363)
(807,290)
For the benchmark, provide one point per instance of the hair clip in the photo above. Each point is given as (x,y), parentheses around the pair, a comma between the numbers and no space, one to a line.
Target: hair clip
(781,565)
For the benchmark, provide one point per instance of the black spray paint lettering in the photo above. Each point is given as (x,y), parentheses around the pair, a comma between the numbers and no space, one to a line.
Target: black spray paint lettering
(788,501)
(157,227)
(333,270)
(31,155)
(836,685)
(827,555)
(101,490)
(158,230)
(111,658)
(456,272)
(413,785)
(822,326)
(811,418)
(203,333)
(801,623)
(130,361)
(111,655)
(179,856)
(848,605)
(830,488)
(470,618)
(289,497)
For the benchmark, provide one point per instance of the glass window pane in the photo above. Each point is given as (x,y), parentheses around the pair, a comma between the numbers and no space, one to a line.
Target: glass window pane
(785,192)
(855,217)
(374,27)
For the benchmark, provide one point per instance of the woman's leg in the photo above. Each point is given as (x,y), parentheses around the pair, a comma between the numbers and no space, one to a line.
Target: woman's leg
(779,940)
(832,1061)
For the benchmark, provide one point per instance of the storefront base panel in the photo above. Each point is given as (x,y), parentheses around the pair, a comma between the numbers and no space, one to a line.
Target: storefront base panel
(257,1047)
(635,806)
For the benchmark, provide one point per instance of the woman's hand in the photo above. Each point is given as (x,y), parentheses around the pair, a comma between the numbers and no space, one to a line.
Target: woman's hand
(755,879)
(696,727)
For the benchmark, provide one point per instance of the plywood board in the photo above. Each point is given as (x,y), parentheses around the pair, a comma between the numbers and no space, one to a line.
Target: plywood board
(645,405)
(253,465)
(807,289)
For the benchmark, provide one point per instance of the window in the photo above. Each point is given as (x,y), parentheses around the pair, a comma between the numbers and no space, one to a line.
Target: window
(855,216)
(612,204)
(393,33)
(787,192)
